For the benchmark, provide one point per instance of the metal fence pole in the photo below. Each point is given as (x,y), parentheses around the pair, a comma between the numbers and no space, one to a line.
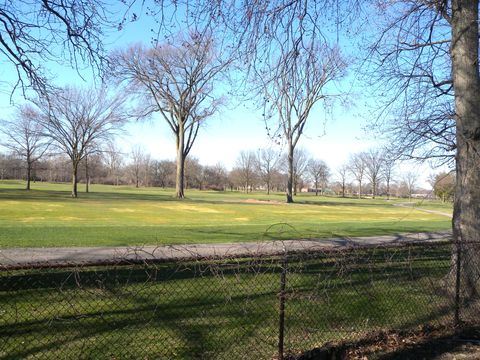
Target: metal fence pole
(281,319)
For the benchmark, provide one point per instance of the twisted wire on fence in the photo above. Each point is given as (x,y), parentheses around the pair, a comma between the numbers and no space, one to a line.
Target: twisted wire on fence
(250,307)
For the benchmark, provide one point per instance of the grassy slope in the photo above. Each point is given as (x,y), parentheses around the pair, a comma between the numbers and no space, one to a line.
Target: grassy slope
(114,216)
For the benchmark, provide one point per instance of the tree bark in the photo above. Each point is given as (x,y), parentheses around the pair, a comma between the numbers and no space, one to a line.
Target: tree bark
(466,82)
(74,179)
(29,174)
(87,176)
(180,176)
(290,173)
(388,189)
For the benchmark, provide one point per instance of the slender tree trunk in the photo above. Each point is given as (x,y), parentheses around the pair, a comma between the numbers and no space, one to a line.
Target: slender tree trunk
(180,177)
(388,189)
(29,174)
(290,173)
(74,179)
(466,82)
(359,189)
(87,176)
(374,189)
(343,189)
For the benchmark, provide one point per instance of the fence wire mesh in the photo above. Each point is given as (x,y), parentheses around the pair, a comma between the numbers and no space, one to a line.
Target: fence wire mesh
(256,307)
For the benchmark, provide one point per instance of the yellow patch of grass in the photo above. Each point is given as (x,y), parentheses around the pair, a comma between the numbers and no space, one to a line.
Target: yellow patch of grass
(69,218)
(190,207)
(32,219)
(123,210)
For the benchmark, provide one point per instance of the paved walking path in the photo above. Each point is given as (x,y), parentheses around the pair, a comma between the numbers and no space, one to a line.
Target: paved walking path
(82,255)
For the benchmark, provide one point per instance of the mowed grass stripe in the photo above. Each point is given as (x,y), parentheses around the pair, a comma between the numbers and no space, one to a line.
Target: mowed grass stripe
(117,216)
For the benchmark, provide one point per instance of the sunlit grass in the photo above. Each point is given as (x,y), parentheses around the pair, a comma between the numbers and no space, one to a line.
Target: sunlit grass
(109,216)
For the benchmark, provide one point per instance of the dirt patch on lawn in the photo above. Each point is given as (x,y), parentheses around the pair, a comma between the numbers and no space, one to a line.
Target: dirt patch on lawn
(257,201)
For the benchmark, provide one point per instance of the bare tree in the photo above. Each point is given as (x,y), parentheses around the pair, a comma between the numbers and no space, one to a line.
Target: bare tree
(388,170)
(37,32)
(177,80)
(342,172)
(245,169)
(114,160)
(267,162)
(77,121)
(215,177)
(298,80)
(429,56)
(410,179)
(374,161)
(163,173)
(357,168)
(318,171)
(137,155)
(23,136)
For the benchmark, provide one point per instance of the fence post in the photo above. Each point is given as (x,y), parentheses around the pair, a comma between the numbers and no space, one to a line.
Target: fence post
(281,319)
(458,274)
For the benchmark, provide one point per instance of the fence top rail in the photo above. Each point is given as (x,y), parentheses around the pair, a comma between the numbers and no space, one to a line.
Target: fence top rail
(38,258)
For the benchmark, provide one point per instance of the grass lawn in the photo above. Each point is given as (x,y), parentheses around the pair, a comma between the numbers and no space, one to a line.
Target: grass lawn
(218,310)
(117,216)
(437,205)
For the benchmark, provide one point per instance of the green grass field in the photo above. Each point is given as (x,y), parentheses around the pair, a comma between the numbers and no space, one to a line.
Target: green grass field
(116,216)
(219,310)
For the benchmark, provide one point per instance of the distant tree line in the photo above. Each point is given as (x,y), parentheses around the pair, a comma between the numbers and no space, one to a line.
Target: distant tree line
(261,170)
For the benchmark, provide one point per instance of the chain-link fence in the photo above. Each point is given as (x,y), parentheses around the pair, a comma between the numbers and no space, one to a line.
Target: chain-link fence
(257,307)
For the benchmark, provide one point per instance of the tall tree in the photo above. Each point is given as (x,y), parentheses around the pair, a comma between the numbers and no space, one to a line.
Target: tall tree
(267,162)
(78,121)
(177,80)
(388,170)
(23,136)
(373,160)
(342,172)
(299,77)
(428,53)
(245,170)
(318,171)
(138,156)
(410,180)
(357,168)
(113,158)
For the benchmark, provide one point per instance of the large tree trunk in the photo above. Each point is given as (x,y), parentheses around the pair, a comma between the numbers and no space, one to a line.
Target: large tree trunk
(359,189)
(74,179)
(466,82)
(290,173)
(180,178)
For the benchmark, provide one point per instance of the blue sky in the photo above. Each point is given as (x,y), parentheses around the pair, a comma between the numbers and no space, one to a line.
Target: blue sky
(236,127)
